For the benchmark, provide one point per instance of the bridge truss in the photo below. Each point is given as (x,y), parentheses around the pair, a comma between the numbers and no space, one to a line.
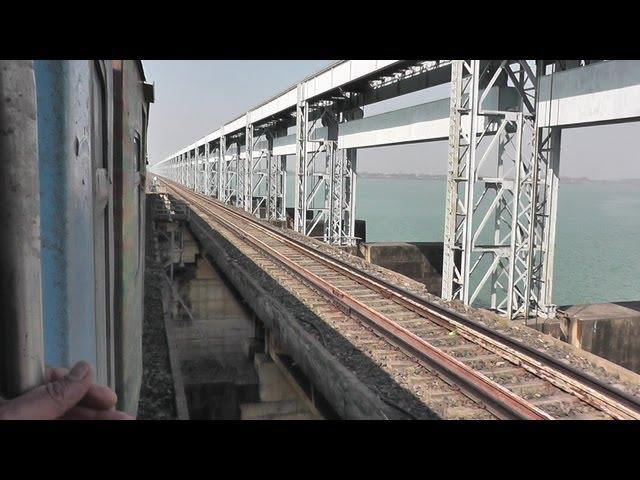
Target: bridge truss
(502,121)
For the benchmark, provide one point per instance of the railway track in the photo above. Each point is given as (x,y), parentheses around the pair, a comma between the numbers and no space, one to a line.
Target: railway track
(504,378)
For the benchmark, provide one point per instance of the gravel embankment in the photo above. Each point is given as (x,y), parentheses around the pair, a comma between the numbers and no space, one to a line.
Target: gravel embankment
(527,335)
(157,395)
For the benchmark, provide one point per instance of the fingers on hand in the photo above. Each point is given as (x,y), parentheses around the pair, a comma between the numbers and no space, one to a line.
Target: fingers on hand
(55,398)
(54,373)
(84,413)
(98,397)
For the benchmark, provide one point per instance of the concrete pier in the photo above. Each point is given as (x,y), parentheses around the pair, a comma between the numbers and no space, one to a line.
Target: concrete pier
(420,261)
(217,362)
(608,330)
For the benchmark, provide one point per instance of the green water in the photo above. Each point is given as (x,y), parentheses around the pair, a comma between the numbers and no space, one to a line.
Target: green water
(597,236)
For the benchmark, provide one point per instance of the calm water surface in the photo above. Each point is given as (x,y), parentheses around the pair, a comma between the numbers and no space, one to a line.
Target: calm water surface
(597,239)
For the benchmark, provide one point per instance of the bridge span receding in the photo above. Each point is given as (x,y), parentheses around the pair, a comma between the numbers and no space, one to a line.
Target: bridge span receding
(503,122)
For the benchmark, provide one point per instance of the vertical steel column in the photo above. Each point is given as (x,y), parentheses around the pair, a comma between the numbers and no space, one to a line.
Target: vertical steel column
(240,175)
(332,179)
(501,212)
(452,278)
(187,168)
(207,171)
(468,200)
(196,169)
(302,120)
(548,141)
(514,257)
(273,180)
(215,171)
(351,178)
(247,166)
(194,160)
(281,209)
(549,148)
(202,167)
(222,162)
(204,170)
(182,169)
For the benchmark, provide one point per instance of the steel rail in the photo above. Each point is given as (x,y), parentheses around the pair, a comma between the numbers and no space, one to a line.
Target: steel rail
(606,398)
(593,391)
(497,399)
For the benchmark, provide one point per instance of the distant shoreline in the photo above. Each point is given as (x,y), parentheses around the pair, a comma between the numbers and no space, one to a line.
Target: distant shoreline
(427,176)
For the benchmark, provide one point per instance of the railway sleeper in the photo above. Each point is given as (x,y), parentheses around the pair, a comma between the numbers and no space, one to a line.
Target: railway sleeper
(508,375)
(530,387)
(411,319)
(481,362)
(442,340)
(464,350)
(462,412)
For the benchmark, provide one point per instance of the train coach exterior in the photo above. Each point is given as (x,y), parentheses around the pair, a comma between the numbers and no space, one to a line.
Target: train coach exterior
(75,144)
(132,97)
(83,132)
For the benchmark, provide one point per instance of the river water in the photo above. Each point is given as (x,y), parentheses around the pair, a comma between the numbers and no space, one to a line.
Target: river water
(597,236)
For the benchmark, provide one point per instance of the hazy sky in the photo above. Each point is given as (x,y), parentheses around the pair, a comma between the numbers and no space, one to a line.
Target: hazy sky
(194,98)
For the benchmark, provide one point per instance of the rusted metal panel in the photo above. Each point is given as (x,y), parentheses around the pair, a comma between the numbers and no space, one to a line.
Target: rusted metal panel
(130,132)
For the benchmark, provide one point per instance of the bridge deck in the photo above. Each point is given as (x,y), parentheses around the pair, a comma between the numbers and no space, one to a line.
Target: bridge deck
(371,369)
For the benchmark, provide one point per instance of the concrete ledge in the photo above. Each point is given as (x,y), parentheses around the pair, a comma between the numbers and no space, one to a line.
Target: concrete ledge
(419,261)
(609,330)
(349,397)
(182,409)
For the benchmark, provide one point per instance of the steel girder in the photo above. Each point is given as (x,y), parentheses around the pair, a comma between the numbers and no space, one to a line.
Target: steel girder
(274,186)
(349,184)
(315,172)
(192,170)
(183,169)
(245,170)
(300,198)
(334,178)
(206,181)
(230,177)
(187,169)
(350,180)
(203,181)
(269,178)
(520,197)
(196,170)
(259,175)
(222,163)
(214,169)
(334,191)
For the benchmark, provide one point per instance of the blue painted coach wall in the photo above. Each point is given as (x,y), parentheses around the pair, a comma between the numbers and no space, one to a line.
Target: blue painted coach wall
(64,136)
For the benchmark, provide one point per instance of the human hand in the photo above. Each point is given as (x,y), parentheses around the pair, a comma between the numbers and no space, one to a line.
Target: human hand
(65,395)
